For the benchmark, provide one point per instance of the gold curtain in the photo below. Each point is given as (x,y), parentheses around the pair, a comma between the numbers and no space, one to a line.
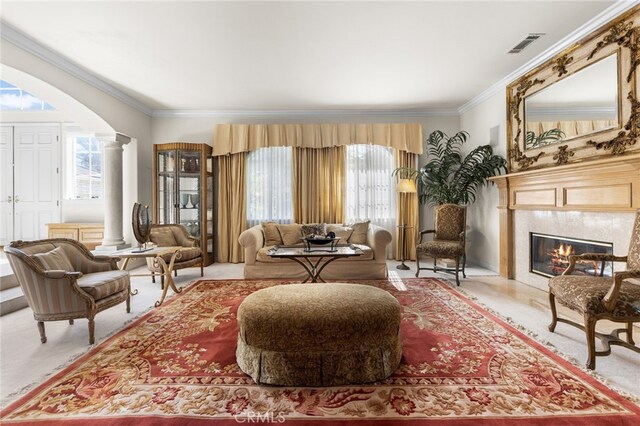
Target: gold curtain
(234,138)
(318,185)
(232,216)
(407,211)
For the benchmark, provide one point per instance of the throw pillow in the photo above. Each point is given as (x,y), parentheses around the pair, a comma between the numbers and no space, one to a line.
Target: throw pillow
(360,230)
(162,236)
(271,234)
(313,229)
(342,232)
(290,234)
(54,260)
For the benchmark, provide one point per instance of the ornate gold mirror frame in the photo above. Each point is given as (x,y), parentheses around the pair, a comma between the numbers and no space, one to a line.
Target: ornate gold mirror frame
(620,37)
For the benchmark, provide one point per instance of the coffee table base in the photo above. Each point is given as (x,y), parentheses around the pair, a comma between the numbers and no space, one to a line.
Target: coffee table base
(314,269)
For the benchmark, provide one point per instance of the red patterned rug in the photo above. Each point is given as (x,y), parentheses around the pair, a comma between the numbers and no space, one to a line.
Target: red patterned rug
(461,365)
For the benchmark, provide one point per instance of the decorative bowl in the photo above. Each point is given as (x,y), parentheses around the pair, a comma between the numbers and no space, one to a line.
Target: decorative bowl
(320,240)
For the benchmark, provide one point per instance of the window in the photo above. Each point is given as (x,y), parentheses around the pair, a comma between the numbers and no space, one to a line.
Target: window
(84,168)
(13,98)
(269,186)
(370,187)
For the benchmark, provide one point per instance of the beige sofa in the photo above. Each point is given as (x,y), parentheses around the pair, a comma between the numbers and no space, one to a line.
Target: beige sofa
(370,265)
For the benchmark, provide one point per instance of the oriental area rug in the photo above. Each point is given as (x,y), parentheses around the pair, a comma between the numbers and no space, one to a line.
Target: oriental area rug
(461,365)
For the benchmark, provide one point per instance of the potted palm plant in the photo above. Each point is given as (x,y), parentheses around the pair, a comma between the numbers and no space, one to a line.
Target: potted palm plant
(449,176)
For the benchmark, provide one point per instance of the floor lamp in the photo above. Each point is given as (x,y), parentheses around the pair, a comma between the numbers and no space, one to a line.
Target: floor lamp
(405,186)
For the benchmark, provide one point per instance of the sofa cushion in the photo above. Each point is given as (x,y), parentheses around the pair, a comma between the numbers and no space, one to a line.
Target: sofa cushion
(271,235)
(104,284)
(54,260)
(290,234)
(313,229)
(162,236)
(342,232)
(360,230)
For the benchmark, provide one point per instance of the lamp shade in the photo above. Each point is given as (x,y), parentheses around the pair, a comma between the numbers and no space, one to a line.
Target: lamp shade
(406,185)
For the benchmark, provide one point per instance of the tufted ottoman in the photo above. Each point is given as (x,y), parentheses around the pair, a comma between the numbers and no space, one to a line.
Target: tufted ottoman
(319,334)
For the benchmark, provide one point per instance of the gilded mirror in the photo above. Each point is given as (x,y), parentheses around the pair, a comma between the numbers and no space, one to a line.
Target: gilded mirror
(581,104)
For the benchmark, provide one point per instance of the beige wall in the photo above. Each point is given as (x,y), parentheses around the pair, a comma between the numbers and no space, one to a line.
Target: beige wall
(486,123)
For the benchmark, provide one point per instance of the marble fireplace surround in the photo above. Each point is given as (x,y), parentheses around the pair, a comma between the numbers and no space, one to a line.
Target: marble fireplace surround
(612,227)
(594,200)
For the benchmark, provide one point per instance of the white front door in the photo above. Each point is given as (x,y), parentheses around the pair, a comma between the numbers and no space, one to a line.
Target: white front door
(6,184)
(36,180)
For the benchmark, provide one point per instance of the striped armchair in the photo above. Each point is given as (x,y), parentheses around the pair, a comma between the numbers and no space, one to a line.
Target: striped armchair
(62,280)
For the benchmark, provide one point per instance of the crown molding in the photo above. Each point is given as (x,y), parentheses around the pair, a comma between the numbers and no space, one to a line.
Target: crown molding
(307,113)
(599,20)
(28,44)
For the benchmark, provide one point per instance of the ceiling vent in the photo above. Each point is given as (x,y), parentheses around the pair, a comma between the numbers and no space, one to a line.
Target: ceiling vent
(527,41)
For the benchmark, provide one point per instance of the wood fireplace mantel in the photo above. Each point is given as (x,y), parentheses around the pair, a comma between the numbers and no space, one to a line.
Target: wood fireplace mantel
(605,185)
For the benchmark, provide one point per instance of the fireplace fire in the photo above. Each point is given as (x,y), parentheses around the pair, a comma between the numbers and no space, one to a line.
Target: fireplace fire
(549,255)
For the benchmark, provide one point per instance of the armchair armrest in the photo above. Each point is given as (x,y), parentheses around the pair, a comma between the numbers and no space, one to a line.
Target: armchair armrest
(251,240)
(56,274)
(184,239)
(611,298)
(598,257)
(423,233)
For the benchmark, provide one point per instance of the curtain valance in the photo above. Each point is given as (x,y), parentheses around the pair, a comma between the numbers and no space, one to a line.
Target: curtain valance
(235,138)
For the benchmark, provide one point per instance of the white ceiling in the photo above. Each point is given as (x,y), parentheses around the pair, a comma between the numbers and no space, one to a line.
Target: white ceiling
(234,56)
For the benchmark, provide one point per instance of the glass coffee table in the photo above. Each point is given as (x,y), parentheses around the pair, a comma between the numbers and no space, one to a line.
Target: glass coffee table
(312,260)
(156,254)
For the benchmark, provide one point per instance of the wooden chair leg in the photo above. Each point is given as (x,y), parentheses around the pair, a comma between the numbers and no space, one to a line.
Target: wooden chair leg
(92,329)
(162,281)
(464,265)
(457,271)
(153,277)
(630,333)
(175,273)
(417,264)
(43,337)
(590,329)
(554,313)
(129,301)
(71,321)
(202,268)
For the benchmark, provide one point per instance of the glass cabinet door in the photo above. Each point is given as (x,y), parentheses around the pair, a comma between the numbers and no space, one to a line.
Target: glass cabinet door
(209,212)
(166,167)
(183,191)
(189,191)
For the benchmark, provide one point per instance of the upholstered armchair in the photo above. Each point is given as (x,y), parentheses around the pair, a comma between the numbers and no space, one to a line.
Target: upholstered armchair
(595,298)
(62,280)
(173,235)
(449,238)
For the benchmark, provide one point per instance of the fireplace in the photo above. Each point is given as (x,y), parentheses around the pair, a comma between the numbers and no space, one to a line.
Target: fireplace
(549,255)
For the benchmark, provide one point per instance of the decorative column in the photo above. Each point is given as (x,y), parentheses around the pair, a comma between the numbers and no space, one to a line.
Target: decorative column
(113,196)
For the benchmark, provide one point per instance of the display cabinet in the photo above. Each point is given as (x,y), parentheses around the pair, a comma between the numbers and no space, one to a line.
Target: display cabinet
(183,190)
